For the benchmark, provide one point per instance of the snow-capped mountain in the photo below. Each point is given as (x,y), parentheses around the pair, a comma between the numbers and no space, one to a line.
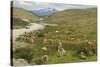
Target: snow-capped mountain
(44,11)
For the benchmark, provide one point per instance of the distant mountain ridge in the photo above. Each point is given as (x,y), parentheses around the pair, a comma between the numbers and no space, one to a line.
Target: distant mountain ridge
(44,11)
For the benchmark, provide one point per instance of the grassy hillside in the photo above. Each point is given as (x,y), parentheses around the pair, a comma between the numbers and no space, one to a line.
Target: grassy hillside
(19,14)
(81,23)
(75,27)
(19,23)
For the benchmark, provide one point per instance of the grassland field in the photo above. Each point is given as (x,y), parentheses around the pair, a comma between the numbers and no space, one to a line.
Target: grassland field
(74,26)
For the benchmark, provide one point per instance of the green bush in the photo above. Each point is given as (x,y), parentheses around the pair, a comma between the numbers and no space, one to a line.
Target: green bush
(23,50)
(39,33)
(87,49)
(18,23)
(37,61)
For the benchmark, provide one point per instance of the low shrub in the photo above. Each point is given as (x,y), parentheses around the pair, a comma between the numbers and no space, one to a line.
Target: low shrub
(39,33)
(24,52)
(87,49)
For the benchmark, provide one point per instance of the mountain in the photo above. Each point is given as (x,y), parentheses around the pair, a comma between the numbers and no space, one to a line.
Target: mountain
(44,11)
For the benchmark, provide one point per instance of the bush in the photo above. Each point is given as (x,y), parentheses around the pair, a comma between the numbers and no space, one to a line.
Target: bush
(87,49)
(18,23)
(24,51)
(37,61)
(39,33)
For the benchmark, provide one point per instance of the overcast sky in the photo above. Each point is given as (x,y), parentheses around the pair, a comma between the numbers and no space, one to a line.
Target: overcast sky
(31,5)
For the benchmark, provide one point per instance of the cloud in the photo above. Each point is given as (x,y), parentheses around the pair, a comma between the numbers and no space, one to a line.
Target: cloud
(31,5)
(22,4)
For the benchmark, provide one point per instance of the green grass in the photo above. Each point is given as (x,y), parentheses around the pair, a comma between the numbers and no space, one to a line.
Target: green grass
(33,54)
(74,27)
(78,22)
(69,58)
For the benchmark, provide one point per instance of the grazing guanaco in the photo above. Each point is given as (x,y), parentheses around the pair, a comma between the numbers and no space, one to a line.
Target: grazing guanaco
(61,50)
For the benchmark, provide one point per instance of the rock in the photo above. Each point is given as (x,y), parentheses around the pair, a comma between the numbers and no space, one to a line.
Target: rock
(20,62)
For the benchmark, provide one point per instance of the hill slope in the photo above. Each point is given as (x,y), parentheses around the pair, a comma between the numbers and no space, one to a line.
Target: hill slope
(21,18)
(21,13)
(81,22)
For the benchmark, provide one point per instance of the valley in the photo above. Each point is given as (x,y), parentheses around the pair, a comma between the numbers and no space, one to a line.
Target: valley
(64,37)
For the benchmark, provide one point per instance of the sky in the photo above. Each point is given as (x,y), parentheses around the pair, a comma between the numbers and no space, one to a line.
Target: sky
(31,5)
